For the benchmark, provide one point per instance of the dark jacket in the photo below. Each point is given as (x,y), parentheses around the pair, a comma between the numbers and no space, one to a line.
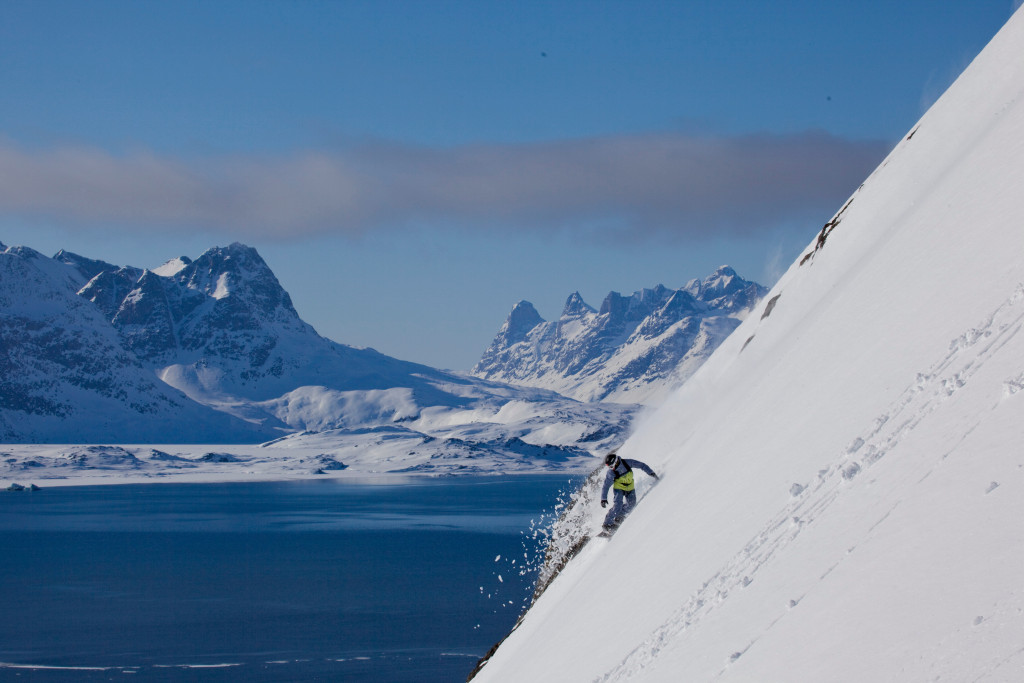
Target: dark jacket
(622,466)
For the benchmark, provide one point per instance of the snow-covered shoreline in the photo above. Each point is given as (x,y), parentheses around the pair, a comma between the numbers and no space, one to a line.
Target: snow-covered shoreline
(58,465)
(514,438)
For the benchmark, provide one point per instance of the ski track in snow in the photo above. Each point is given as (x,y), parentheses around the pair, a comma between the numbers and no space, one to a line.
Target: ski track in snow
(967,354)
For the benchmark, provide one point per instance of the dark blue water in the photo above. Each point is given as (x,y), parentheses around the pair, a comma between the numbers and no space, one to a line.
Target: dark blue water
(293,581)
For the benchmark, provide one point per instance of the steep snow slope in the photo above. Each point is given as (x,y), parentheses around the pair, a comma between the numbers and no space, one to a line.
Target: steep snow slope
(844,478)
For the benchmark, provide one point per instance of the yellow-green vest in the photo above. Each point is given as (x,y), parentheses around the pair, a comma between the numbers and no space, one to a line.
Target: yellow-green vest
(625,482)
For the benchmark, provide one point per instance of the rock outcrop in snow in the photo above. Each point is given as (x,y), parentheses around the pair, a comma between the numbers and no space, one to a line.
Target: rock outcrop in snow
(635,349)
(842,487)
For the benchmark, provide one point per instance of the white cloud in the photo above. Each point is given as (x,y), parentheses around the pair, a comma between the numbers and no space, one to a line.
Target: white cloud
(666,182)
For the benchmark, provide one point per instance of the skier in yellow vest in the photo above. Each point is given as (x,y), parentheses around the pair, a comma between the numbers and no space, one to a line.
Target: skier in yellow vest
(620,480)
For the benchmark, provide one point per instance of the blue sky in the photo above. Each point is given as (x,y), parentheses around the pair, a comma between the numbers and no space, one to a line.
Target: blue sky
(410,170)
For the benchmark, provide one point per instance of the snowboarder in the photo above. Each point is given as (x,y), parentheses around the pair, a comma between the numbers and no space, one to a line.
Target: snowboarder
(620,478)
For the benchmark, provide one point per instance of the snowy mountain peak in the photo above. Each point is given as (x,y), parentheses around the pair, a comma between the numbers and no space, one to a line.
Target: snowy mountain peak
(67,374)
(521,320)
(680,305)
(726,290)
(721,279)
(576,307)
(240,270)
(723,271)
(87,267)
(145,318)
(173,267)
(109,288)
(632,350)
(55,271)
(26,253)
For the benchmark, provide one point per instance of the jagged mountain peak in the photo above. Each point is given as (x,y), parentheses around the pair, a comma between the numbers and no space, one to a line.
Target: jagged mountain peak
(722,281)
(108,289)
(234,251)
(724,288)
(87,267)
(67,374)
(523,307)
(70,276)
(237,269)
(521,320)
(631,350)
(173,266)
(27,253)
(225,304)
(637,305)
(681,303)
(576,307)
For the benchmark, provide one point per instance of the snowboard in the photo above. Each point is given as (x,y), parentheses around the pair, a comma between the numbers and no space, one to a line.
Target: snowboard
(608,533)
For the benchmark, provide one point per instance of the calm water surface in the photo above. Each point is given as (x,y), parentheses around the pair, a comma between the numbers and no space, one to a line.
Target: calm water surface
(270,581)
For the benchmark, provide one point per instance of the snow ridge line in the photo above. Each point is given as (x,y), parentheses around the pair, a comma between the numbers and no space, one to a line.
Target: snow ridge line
(930,389)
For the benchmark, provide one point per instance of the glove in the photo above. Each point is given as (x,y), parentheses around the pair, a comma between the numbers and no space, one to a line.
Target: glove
(604,503)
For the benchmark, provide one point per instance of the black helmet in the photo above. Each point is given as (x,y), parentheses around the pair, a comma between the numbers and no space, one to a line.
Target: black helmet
(610,459)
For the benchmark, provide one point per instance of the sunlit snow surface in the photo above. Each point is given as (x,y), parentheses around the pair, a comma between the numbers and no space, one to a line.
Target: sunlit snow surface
(843,480)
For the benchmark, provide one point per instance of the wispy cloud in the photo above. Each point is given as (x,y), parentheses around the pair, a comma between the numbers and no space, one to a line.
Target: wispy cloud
(689,185)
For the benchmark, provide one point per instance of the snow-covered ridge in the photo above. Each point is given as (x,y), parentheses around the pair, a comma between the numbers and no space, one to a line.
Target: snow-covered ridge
(173,266)
(842,480)
(634,349)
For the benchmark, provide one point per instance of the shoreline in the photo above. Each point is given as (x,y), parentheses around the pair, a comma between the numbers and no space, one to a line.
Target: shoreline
(72,465)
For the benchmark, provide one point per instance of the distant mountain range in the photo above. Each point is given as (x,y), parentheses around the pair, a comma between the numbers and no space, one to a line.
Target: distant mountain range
(634,349)
(212,350)
(84,345)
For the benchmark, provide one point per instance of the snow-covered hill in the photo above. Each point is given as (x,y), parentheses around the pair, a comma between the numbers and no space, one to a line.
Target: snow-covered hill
(635,349)
(843,480)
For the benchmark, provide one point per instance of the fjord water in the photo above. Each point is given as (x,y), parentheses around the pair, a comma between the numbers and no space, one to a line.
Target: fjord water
(290,581)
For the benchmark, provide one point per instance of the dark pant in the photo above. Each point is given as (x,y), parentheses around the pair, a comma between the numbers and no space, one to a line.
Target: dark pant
(622,503)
